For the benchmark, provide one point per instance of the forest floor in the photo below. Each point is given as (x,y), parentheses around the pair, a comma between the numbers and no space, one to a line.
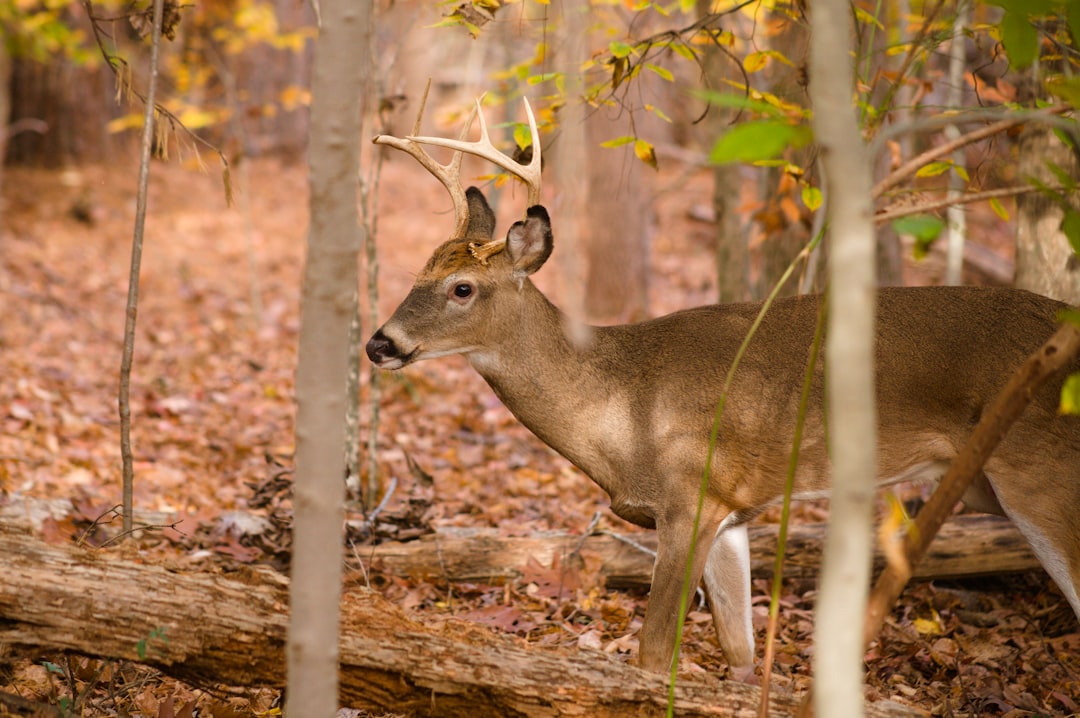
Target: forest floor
(213,409)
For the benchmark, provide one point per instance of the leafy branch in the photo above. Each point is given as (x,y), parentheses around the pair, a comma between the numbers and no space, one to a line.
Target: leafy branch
(122,71)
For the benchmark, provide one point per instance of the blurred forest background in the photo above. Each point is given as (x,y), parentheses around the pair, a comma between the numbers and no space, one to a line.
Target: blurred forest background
(679,171)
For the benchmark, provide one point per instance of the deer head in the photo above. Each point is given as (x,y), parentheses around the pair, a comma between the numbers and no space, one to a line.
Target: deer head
(451,307)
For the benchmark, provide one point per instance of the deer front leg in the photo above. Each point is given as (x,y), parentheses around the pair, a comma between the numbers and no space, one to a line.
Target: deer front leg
(727,584)
(674,537)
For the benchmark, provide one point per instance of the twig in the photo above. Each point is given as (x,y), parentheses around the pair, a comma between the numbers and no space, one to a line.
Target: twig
(112,61)
(629,542)
(967,198)
(913,165)
(588,532)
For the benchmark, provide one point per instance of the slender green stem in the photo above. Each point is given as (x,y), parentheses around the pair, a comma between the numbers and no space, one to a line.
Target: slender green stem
(789,489)
(706,475)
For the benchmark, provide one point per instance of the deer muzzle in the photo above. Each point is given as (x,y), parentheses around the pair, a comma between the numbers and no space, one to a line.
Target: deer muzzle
(384,353)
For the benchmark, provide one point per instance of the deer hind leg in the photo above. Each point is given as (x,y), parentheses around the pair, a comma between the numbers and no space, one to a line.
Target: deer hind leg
(727,584)
(674,538)
(1047,517)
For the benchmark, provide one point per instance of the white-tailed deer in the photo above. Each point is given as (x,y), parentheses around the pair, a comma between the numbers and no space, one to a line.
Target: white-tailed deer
(633,407)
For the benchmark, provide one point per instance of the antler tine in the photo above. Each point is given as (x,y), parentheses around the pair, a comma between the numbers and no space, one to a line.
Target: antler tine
(484,148)
(448,174)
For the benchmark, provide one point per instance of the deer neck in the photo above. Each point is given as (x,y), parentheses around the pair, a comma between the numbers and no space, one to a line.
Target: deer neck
(559,391)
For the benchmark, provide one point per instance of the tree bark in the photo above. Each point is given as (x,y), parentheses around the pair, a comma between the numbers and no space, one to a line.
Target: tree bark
(1045,263)
(967,546)
(331,279)
(619,218)
(217,629)
(732,252)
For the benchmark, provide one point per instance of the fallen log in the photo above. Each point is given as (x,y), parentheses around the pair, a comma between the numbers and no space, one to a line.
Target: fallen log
(967,546)
(211,629)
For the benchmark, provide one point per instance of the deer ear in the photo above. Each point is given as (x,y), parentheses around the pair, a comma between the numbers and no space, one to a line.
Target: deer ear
(529,242)
(481,218)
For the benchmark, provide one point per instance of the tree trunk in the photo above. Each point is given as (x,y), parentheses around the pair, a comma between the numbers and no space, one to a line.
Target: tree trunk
(967,546)
(849,371)
(619,219)
(732,253)
(331,279)
(1045,263)
(219,630)
(783,237)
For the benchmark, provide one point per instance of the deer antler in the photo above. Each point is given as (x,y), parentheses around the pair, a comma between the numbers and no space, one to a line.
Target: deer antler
(483,148)
(448,174)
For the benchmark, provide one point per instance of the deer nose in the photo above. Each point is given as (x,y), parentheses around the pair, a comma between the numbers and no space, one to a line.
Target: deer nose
(380,348)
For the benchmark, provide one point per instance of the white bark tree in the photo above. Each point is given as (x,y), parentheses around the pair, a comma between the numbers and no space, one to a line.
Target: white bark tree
(845,575)
(330,283)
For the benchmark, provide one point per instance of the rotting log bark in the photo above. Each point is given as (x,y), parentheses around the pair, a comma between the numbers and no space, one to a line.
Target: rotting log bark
(230,629)
(968,545)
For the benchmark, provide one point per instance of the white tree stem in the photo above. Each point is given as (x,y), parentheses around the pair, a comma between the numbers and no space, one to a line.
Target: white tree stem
(852,417)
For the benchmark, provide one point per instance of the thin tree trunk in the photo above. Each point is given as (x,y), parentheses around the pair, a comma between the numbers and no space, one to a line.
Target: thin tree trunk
(732,254)
(330,284)
(1045,263)
(572,169)
(128,471)
(838,650)
(956,215)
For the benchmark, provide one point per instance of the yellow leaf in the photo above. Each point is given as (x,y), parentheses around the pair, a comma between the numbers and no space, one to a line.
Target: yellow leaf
(127,122)
(929,626)
(811,197)
(645,153)
(755,61)
(661,71)
(195,119)
(294,96)
(999,209)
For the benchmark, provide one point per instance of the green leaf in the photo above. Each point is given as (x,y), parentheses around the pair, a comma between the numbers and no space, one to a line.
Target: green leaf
(924,228)
(620,49)
(541,78)
(658,112)
(1065,137)
(1020,39)
(661,71)
(737,102)
(1072,12)
(999,209)
(522,136)
(811,197)
(1063,177)
(755,141)
(867,19)
(934,169)
(681,49)
(1070,315)
(1070,226)
(1070,395)
(619,141)
(1067,88)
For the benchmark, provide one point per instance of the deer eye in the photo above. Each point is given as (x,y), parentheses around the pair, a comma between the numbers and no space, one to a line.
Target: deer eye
(463,290)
